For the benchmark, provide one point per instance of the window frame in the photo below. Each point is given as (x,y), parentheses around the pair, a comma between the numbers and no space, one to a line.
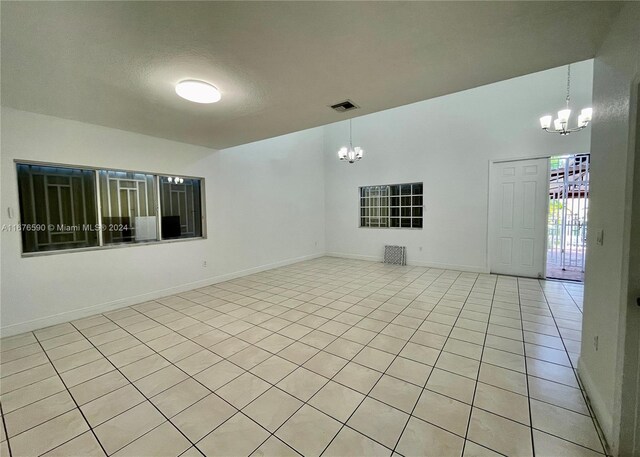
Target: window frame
(98,205)
(159,197)
(388,206)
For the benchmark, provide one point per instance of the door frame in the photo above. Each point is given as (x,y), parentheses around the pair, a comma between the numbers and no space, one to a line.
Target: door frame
(628,394)
(488,239)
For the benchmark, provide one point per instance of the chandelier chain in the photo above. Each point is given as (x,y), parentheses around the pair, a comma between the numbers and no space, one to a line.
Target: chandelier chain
(561,124)
(568,83)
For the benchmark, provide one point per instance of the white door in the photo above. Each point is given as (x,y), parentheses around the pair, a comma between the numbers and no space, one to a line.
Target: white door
(518,204)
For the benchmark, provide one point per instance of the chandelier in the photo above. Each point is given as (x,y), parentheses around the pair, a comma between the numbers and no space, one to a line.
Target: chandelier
(350,154)
(561,124)
(176,180)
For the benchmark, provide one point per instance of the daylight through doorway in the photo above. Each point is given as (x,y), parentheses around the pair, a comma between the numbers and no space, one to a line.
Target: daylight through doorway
(568,212)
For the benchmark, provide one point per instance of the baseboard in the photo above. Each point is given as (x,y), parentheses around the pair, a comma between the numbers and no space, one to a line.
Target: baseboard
(416,263)
(598,406)
(341,255)
(35,324)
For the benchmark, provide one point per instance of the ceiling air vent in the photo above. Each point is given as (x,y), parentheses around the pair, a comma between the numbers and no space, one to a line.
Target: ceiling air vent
(344,106)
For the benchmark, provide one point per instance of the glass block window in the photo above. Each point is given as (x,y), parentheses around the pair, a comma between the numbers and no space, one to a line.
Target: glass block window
(391,206)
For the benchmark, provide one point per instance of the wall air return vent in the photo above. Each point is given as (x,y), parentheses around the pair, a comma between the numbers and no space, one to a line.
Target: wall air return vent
(396,255)
(344,106)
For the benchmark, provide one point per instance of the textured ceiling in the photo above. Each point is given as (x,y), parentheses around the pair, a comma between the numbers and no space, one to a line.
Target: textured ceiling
(278,64)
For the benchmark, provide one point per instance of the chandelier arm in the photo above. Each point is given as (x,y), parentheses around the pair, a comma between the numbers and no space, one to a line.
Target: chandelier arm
(575,129)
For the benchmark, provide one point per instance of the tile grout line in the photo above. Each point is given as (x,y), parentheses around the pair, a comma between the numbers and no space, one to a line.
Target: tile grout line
(172,310)
(434,365)
(390,322)
(275,283)
(258,325)
(6,432)
(132,335)
(147,398)
(223,358)
(367,395)
(526,371)
(594,420)
(575,303)
(378,333)
(74,402)
(306,403)
(475,387)
(332,379)
(552,404)
(207,349)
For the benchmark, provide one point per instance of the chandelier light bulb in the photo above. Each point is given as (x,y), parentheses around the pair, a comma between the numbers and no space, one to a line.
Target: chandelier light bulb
(545,121)
(557,124)
(170,179)
(582,122)
(587,114)
(350,154)
(563,115)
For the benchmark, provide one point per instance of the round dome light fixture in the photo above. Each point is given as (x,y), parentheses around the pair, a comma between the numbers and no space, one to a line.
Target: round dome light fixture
(198,91)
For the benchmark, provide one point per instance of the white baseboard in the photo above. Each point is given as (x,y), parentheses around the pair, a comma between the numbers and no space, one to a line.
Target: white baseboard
(603,415)
(416,263)
(35,324)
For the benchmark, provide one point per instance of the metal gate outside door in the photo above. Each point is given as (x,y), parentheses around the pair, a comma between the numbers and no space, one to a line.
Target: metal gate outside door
(568,211)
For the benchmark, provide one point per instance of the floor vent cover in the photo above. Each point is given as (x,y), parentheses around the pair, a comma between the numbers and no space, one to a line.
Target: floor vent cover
(396,255)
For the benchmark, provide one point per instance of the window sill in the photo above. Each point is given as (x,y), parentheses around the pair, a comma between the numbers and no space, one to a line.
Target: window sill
(392,228)
(110,246)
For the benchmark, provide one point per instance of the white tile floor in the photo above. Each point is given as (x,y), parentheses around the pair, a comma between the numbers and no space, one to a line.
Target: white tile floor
(327,357)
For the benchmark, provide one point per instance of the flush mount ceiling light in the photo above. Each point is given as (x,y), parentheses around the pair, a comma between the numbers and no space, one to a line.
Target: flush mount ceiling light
(561,124)
(198,91)
(350,154)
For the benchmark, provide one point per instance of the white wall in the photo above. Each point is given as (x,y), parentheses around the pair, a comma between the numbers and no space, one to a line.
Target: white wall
(446,143)
(264,203)
(266,200)
(617,65)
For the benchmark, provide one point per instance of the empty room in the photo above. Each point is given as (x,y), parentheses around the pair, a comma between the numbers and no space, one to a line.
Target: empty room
(316,228)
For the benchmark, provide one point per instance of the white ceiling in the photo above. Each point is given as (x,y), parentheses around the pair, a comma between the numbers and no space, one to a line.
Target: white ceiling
(278,64)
